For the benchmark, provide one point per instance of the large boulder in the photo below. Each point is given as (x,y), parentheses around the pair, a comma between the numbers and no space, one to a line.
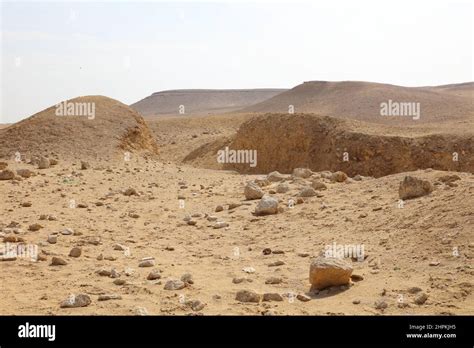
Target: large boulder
(267,205)
(412,187)
(328,271)
(253,191)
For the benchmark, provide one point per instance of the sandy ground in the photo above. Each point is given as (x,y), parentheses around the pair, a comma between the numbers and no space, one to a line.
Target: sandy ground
(399,243)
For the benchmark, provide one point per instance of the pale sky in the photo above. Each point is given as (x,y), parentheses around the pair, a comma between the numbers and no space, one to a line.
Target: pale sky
(53,51)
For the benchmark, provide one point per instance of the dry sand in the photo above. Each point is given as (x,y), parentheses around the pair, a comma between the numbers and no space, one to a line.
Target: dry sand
(425,247)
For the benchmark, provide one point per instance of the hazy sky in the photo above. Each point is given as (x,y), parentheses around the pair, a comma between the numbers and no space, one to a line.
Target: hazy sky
(52,51)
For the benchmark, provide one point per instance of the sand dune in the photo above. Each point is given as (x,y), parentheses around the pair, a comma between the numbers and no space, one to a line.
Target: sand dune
(112,129)
(201,101)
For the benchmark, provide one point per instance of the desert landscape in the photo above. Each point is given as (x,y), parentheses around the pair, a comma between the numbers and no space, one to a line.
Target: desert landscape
(330,208)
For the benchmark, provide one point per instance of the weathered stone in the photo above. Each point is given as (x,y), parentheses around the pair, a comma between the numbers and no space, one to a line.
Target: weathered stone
(266,206)
(247,296)
(74,301)
(272,297)
(412,187)
(325,272)
(174,284)
(302,173)
(75,252)
(57,261)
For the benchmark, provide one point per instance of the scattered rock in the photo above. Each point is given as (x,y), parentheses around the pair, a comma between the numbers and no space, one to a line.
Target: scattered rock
(380,304)
(318,186)
(273,280)
(187,278)
(302,173)
(44,163)
(109,297)
(412,187)
(7,174)
(67,232)
(414,290)
(449,178)
(147,262)
(269,296)
(421,298)
(247,296)
(248,269)
(276,264)
(52,239)
(153,275)
(276,176)
(307,192)
(253,191)
(35,227)
(338,176)
(357,278)
(141,311)
(57,261)
(75,252)
(219,208)
(262,182)
(220,224)
(266,251)
(119,247)
(85,165)
(325,272)
(282,188)
(174,284)
(234,205)
(130,192)
(266,206)
(303,297)
(74,301)
(196,305)
(24,173)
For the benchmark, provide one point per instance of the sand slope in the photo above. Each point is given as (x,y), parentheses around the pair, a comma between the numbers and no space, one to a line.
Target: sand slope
(361,101)
(114,129)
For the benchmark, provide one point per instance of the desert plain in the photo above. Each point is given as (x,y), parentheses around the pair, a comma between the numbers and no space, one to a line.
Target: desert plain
(131,213)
